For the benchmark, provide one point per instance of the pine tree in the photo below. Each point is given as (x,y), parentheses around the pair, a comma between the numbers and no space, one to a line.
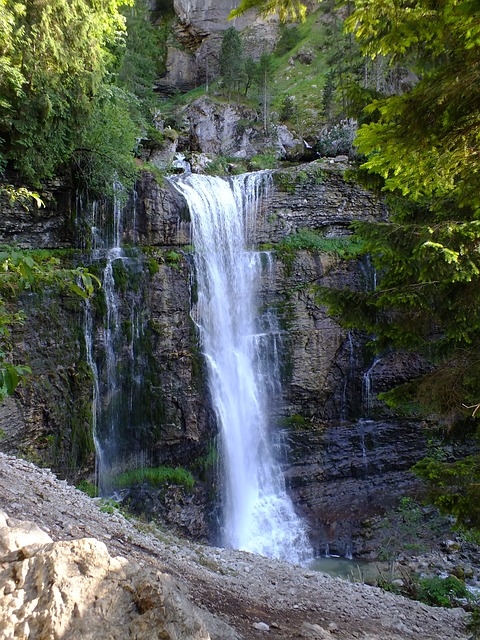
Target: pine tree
(231,60)
(422,152)
(264,74)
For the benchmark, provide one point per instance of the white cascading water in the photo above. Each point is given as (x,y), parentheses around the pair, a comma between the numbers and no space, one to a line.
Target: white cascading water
(259,516)
(113,400)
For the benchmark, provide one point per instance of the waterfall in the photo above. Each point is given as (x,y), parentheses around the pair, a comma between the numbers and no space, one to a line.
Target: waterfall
(111,344)
(367,389)
(258,514)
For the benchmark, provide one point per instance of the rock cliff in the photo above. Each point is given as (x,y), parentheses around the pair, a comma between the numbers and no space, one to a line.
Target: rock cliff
(338,467)
(192,56)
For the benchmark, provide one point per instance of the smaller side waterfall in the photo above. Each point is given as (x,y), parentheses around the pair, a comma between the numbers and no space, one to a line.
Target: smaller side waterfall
(242,367)
(114,359)
(367,389)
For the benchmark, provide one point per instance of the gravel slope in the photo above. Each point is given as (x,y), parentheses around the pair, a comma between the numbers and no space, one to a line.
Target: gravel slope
(255,596)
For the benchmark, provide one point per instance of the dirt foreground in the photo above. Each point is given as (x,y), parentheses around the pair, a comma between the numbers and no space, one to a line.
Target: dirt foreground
(229,595)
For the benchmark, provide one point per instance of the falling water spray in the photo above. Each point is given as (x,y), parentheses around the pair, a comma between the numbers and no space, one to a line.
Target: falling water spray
(258,514)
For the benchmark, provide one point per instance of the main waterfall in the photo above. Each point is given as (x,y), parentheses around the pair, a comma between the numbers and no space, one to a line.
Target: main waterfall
(258,514)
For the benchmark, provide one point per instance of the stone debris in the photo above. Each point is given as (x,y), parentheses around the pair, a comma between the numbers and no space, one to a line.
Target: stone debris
(139,581)
(75,589)
(315,632)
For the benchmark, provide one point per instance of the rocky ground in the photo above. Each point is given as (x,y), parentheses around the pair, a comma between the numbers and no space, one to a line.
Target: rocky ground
(164,587)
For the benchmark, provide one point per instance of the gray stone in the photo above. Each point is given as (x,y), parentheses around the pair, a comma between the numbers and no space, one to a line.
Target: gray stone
(315,631)
(198,30)
(77,590)
(261,626)
(211,576)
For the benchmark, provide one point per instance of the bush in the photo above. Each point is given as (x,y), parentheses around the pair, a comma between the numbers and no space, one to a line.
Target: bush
(155,476)
(87,487)
(442,592)
(263,161)
(337,139)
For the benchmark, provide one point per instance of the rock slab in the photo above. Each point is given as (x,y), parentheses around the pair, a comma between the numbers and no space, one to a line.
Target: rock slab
(76,589)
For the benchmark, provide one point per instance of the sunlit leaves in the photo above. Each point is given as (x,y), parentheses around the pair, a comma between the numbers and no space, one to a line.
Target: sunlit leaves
(293,10)
(424,143)
(21,194)
(414,29)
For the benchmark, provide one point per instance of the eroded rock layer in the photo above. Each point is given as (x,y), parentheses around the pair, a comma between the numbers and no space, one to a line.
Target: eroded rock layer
(324,367)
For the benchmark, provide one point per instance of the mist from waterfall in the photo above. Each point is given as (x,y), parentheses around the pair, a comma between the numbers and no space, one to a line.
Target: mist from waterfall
(242,371)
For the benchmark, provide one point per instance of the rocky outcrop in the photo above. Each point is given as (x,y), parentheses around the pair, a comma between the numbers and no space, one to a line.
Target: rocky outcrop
(313,195)
(343,474)
(316,196)
(48,419)
(184,424)
(223,129)
(170,421)
(219,128)
(162,217)
(27,225)
(76,589)
(192,57)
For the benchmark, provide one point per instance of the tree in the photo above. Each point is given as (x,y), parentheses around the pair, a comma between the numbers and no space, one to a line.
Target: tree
(264,74)
(107,144)
(53,56)
(139,64)
(421,150)
(231,60)
(249,73)
(293,10)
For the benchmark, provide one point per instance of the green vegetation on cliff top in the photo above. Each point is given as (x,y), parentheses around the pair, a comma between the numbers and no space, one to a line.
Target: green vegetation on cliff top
(75,88)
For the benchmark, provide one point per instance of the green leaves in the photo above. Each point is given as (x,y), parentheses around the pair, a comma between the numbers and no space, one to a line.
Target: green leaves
(421,149)
(54,56)
(293,10)
(423,142)
(10,376)
(20,271)
(453,487)
(231,59)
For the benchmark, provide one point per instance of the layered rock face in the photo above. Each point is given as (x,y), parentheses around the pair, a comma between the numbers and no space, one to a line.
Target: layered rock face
(49,419)
(27,225)
(340,470)
(343,475)
(344,467)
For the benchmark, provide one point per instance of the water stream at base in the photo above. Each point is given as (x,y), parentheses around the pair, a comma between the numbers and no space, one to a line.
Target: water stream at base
(258,514)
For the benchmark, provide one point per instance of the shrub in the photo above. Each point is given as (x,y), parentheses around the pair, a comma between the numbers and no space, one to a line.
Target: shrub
(155,476)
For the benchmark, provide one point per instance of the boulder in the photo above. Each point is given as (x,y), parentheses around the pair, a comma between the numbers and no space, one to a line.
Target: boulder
(76,590)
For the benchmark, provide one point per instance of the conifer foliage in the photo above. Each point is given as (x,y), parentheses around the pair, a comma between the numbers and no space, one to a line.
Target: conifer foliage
(421,150)
(231,60)
(64,63)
